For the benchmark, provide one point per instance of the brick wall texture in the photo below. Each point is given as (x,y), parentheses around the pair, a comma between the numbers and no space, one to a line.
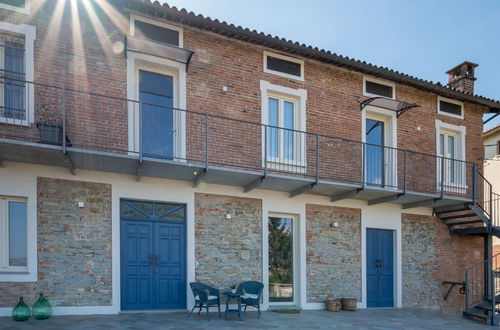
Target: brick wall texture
(430,256)
(74,246)
(333,254)
(227,251)
(87,55)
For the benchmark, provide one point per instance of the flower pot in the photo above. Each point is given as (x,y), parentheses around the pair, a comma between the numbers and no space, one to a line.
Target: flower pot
(21,312)
(41,308)
(50,133)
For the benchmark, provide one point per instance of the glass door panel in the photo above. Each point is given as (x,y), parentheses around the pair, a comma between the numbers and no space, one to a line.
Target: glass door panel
(281,259)
(374,153)
(157,128)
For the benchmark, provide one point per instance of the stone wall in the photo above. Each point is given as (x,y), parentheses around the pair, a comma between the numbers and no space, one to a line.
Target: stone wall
(228,251)
(333,254)
(430,256)
(74,246)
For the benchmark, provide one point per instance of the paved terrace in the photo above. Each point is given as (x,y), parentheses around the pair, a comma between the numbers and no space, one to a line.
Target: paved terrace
(362,319)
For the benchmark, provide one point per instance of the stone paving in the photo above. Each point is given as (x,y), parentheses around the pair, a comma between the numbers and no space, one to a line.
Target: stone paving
(362,319)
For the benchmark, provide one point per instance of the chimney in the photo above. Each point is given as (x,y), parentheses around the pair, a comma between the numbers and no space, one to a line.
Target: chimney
(462,78)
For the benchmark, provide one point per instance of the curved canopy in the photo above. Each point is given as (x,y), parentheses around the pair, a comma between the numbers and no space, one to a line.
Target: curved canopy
(399,107)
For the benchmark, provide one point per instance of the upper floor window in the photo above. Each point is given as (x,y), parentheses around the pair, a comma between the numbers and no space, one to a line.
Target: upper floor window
(21,6)
(12,76)
(13,234)
(283,111)
(285,66)
(146,28)
(375,87)
(450,108)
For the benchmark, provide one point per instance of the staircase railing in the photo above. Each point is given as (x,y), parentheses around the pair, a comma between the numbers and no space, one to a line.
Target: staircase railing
(494,204)
(484,198)
(482,283)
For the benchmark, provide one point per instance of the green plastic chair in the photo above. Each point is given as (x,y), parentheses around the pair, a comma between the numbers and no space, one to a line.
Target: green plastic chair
(252,291)
(204,297)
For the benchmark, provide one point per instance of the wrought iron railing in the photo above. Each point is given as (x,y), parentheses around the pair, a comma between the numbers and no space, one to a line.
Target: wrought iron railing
(99,122)
(482,284)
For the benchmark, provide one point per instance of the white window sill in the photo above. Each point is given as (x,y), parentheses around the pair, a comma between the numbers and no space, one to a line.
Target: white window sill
(17,276)
(16,122)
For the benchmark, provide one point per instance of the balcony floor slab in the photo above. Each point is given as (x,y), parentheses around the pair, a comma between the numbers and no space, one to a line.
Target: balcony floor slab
(126,163)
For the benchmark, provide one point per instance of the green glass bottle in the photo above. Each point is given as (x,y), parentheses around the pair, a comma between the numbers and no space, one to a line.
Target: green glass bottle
(21,312)
(41,308)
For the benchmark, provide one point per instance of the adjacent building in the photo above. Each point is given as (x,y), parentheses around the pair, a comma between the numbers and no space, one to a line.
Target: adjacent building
(145,147)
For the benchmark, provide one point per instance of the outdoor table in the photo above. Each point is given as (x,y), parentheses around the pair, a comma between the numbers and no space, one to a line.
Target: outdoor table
(230,296)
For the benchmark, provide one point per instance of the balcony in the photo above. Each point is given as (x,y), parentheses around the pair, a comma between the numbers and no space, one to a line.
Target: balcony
(58,126)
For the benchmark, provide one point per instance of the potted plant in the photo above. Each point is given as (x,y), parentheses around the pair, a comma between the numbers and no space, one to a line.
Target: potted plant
(51,131)
(233,288)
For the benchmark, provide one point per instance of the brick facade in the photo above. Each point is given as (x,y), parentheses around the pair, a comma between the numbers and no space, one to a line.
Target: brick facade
(84,59)
(430,256)
(333,254)
(227,251)
(74,245)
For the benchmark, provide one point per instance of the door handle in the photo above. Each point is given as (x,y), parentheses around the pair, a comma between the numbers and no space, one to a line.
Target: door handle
(157,260)
(150,260)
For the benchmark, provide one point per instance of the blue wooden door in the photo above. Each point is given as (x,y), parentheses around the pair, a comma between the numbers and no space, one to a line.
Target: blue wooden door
(170,271)
(153,255)
(137,265)
(380,268)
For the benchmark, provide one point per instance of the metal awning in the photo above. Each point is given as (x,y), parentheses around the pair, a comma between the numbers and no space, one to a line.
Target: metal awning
(155,48)
(399,107)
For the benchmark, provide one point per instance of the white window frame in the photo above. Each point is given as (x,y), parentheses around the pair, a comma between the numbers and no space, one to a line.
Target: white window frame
(134,18)
(461,104)
(136,62)
(4,236)
(460,176)
(381,82)
(389,119)
(29,33)
(300,97)
(286,58)
(25,10)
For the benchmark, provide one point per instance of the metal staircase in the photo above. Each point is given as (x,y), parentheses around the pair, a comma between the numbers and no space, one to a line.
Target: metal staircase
(479,218)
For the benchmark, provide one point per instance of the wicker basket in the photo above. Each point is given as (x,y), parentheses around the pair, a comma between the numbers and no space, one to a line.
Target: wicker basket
(349,304)
(332,305)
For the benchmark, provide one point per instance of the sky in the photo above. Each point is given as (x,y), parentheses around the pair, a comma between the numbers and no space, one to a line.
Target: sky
(423,38)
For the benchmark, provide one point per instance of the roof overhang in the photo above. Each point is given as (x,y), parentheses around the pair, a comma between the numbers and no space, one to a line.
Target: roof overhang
(154,48)
(182,16)
(399,107)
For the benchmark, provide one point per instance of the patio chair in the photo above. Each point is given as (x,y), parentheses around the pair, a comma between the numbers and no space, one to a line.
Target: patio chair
(204,297)
(252,291)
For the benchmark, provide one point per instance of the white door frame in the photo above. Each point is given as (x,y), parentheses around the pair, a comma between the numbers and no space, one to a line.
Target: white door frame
(136,62)
(389,119)
(296,260)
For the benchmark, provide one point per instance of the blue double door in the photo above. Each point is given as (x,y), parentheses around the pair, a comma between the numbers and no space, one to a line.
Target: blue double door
(380,267)
(153,256)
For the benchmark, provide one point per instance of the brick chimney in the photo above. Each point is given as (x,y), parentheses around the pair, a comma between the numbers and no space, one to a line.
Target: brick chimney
(462,78)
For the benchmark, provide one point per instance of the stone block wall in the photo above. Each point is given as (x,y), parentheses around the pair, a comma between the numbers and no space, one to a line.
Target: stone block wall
(333,254)
(430,255)
(74,246)
(228,251)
